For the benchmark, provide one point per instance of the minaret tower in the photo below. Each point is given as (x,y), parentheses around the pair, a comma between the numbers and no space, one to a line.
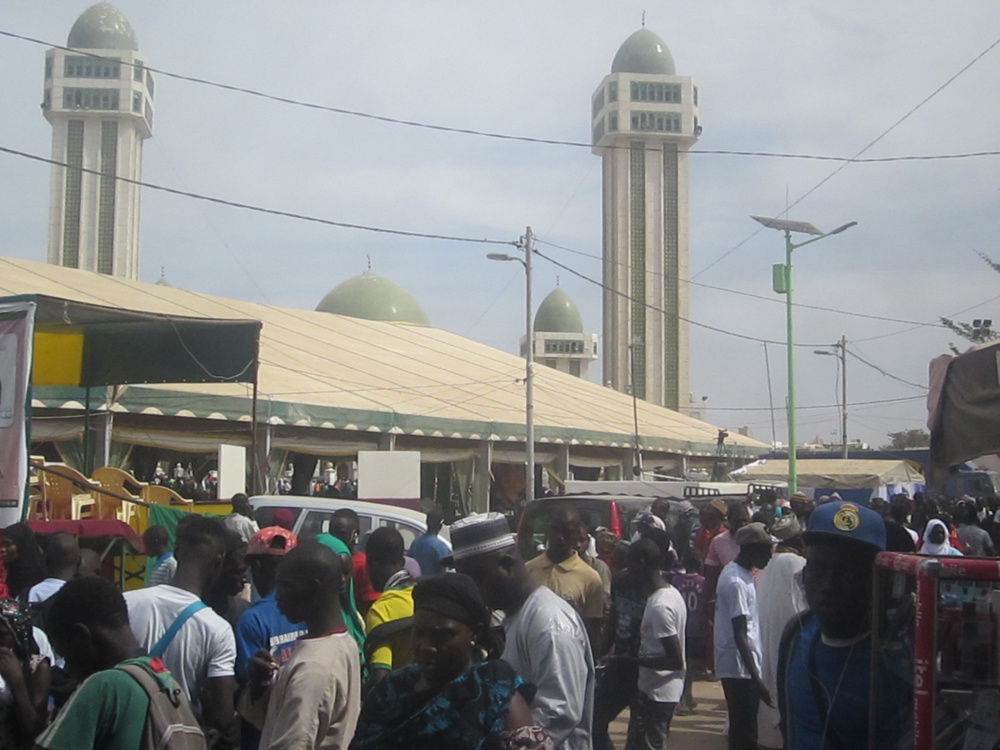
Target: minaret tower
(645,118)
(99,99)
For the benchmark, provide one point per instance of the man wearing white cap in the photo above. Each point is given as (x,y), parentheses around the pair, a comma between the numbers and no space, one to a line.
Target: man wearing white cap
(546,642)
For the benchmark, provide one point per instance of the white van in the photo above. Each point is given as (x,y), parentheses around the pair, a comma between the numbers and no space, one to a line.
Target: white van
(309,516)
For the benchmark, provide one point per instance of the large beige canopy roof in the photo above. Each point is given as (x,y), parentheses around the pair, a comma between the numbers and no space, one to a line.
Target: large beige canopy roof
(323,370)
(834,473)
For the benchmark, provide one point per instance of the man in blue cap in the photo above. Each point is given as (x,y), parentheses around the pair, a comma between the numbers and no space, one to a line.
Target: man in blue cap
(824,668)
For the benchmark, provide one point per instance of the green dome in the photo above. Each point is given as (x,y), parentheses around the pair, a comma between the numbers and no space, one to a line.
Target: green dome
(373,298)
(644,52)
(102,26)
(558,313)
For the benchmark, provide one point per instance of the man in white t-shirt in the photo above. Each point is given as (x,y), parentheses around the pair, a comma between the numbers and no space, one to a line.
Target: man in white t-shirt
(241,519)
(62,562)
(201,654)
(737,636)
(661,654)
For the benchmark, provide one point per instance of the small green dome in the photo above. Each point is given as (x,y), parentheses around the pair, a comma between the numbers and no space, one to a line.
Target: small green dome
(371,297)
(644,52)
(558,313)
(102,26)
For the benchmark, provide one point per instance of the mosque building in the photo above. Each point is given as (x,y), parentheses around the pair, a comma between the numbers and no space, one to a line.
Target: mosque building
(98,97)
(559,339)
(644,120)
(372,297)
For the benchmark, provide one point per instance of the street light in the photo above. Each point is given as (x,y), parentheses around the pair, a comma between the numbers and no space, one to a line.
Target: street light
(529,359)
(782,277)
(841,346)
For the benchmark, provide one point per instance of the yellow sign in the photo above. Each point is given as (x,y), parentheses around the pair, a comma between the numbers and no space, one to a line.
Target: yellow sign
(58,357)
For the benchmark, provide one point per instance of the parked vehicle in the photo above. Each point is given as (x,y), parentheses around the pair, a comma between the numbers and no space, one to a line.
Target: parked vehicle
(985,484)
(309,516)
(617,513)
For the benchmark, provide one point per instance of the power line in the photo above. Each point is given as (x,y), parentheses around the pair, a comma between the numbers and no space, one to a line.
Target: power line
(815,406)
(884,372)
(741,293)
(654,308)
(260,209)
(492,134)
(855,158)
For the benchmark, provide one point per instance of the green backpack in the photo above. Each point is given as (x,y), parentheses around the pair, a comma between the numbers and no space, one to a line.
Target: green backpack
(170,723)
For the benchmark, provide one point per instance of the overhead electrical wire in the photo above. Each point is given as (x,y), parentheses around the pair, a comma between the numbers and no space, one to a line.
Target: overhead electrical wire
(654,308)
(885,372)
(495,135)
(815,406)
(855,158)
(741,293)
(260,209)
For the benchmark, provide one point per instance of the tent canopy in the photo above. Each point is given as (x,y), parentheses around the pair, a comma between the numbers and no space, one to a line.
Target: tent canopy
(87,345)
(834,474)
(331,372)
(964,408)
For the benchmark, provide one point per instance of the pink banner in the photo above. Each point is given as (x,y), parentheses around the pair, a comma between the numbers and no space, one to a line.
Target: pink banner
(16,329)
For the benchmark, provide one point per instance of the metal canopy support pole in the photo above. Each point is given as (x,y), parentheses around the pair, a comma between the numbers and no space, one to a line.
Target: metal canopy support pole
(254,486)
(87,448)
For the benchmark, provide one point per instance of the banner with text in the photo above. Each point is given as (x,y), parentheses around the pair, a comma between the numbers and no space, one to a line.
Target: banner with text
(16,328)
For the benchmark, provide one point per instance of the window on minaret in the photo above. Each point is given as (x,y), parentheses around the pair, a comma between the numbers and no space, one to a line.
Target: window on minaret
(137,71)
(613,91)
(598,103)
(48,68)
(92,67)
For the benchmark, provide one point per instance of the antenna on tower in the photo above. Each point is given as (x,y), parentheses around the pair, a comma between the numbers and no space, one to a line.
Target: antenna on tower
(644,19)
(557,280)
(369,262)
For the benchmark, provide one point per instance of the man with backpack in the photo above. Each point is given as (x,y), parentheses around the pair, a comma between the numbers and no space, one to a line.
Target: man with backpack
(127,700)
(171,621)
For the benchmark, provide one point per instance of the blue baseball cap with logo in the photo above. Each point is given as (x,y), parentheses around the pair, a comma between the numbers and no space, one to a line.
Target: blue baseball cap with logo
(848,521)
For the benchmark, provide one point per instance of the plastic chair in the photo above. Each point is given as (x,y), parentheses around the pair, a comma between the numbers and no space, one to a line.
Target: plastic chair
(157,494)
(67,495)
(121,483)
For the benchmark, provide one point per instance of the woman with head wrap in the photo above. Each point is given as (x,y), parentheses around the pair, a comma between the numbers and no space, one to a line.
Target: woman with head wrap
(24,679)
(449,699)
(353,620)
(22,557)
(936,539)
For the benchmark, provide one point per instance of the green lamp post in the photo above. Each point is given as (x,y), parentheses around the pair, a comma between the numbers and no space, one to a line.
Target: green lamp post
(782,282)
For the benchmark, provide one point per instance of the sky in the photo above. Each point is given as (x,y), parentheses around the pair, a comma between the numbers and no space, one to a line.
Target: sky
(806,77)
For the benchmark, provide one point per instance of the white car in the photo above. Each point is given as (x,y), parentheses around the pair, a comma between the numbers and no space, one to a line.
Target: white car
(309,516)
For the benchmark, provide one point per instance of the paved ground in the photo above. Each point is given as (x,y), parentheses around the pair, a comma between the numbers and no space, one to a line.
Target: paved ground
(702,730)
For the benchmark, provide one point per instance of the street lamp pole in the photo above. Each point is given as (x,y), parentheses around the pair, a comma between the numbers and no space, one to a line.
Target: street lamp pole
(783,285)
(529,373)
(841,347)
(528,246)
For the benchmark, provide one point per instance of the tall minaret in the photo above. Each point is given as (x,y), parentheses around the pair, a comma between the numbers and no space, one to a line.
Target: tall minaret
(645,118)
(100,104)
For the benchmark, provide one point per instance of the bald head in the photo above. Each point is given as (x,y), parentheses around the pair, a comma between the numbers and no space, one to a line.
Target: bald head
(309,583)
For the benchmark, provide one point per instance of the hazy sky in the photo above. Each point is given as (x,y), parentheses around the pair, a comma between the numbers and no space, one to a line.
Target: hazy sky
(803,77)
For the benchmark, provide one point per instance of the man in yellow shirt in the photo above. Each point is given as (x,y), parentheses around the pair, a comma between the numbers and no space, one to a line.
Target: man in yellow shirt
(388,645)
(561,569)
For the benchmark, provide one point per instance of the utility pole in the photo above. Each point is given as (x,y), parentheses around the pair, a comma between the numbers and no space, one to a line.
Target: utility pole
(842,345)
(529,373)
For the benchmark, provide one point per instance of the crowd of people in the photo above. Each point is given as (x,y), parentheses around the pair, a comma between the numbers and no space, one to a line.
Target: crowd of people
(254,638)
